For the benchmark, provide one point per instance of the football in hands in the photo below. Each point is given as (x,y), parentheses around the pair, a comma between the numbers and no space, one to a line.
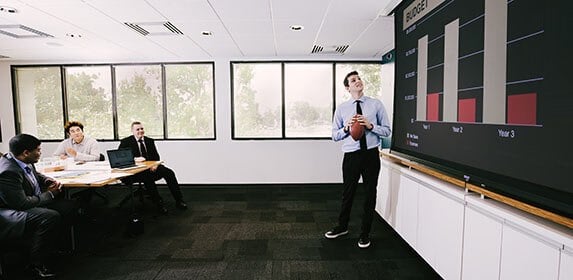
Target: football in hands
(356,130)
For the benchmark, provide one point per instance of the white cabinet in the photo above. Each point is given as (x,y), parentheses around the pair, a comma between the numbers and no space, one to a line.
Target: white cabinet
(440,226)
(383,193)
(463,236)
(566,265)
(523,256)
(482,245)
(406,205)
(429,216)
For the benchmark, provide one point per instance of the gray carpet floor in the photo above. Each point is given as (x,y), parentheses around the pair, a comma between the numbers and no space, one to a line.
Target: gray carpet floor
(238,232)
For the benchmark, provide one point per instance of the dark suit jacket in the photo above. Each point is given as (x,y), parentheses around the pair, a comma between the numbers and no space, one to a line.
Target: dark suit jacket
(17,193)
(130,142)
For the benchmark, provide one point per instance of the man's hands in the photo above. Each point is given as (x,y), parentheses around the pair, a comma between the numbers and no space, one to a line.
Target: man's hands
(55,187)
(72,152)
(360,119)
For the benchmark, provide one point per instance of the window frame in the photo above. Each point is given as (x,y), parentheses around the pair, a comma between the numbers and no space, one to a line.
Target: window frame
(283,96)
(62,67)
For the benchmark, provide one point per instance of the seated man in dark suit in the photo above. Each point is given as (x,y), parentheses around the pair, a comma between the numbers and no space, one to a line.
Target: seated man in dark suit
(33,206)
(143,146)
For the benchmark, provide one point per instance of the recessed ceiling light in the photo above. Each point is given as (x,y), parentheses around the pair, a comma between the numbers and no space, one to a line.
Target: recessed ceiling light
(7,9)
(206,33)
(296,27)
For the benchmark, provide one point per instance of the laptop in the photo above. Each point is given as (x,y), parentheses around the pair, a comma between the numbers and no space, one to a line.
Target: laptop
(121,159)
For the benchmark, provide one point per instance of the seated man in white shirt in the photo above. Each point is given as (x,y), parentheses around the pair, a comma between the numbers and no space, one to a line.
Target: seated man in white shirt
(79,146)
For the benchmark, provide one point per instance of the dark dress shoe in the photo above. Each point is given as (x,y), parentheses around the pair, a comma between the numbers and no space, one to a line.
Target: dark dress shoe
(161,209)
(181,205)
(41,271)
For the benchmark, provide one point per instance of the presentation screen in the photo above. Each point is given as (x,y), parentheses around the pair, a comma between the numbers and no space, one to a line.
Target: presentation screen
(484,91)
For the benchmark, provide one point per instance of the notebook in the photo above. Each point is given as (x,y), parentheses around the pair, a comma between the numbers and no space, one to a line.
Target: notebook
(121,159)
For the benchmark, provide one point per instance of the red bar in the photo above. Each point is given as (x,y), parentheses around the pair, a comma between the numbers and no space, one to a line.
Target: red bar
(467,110)
(522,109)
(433,107)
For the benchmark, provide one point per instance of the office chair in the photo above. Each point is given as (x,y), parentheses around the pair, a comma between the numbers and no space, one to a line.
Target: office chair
(10,250)
(10,247)
(139,192)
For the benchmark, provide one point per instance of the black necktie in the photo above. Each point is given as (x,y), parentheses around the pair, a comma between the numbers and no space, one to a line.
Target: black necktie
(363,145)
(142,149)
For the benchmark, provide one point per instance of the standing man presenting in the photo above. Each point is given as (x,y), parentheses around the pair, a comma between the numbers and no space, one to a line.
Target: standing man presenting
(361,157)
(143,146)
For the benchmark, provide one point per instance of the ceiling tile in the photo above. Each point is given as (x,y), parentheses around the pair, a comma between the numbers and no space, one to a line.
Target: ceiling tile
(242,9)
(127,10)
(241,29)
(184,10)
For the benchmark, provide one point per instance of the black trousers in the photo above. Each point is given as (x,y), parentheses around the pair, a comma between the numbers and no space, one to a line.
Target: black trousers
(148,178)
(48,227)
(356,164)
(163,172)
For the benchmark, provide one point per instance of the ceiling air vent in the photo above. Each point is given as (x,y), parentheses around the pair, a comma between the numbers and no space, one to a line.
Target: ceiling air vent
(317,49)
(154,28)
(22,31)
(3,56)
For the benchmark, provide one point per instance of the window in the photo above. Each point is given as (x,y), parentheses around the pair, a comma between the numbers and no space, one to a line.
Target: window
(308,99)
(39,101)
(257,100)
(173,101)
(190,101)
(89,99)
(369,73)
(293,99)
(139,98)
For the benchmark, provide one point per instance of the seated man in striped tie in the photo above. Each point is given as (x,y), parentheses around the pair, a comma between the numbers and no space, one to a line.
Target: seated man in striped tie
(143,146)
(32,204)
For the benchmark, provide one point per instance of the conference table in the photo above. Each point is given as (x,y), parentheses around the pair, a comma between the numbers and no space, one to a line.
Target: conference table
(95,174)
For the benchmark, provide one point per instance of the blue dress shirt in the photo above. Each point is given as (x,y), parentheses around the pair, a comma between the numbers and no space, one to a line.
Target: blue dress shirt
(373,110)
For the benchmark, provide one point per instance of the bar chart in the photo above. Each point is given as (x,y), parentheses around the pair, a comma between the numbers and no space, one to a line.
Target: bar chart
(483,92)
(501,93)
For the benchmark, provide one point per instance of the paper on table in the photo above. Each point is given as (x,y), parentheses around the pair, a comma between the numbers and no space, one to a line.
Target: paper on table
(80,177)
(66,174)
(93,177)
(90,166)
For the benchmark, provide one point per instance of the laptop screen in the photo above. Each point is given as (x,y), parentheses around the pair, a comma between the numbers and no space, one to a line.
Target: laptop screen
(120,158)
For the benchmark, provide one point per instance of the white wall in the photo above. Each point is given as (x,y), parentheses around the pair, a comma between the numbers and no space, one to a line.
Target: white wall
(221,161)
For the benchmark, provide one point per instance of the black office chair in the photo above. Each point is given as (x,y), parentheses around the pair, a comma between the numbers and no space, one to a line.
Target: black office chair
(12,248)
(139,192)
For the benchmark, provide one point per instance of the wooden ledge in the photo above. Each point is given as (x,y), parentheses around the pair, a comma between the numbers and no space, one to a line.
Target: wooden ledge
(556,218)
